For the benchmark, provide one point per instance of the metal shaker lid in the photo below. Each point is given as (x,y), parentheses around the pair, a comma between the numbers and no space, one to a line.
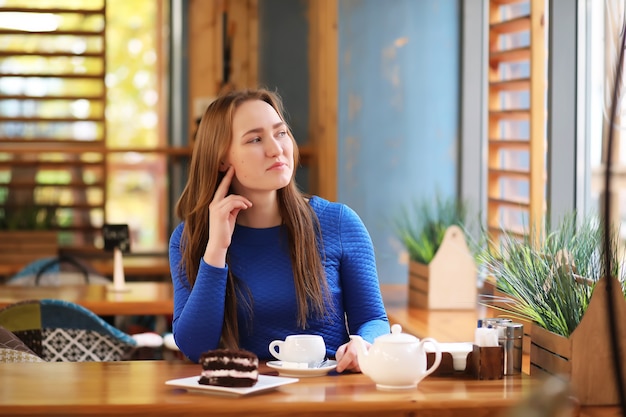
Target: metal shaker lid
(513,330)
(497,320)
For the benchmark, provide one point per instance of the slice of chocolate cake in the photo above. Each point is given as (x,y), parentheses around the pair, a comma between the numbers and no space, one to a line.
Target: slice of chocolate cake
(229,368)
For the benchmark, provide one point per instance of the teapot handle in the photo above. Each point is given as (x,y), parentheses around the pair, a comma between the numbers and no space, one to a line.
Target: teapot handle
(437,361)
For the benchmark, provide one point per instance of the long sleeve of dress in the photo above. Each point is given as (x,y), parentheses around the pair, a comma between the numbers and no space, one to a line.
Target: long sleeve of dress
(363,304)
(198,312)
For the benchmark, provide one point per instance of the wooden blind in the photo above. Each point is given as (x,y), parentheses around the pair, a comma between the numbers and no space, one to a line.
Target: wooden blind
(52,105)
(516,121)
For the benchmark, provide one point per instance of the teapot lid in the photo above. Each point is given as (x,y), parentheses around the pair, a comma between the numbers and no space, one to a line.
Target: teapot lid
(396,336)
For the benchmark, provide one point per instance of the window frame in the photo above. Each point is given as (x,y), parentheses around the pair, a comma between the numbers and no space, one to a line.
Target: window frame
(566,169)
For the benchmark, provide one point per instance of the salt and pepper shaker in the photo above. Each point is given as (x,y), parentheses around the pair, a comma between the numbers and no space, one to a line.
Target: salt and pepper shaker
(512,340)
(510,336)
(485,336)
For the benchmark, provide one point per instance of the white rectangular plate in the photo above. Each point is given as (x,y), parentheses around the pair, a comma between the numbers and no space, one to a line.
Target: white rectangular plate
(264,383)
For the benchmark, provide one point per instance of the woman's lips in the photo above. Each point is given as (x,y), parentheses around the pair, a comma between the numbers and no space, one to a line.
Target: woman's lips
(277,165)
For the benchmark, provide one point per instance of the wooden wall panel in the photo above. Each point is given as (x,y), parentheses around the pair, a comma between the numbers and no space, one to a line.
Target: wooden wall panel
(324,91)
(205,52)
(243,28)
(206,48)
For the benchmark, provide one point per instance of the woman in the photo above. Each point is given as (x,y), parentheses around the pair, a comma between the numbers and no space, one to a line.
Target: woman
(255,259)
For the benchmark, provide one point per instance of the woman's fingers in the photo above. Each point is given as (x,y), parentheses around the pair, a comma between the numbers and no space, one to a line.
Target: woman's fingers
(222,200)
(347,358)
(223,211)
(222,189)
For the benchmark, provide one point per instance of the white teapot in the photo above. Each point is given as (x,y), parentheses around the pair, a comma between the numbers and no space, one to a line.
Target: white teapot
(396,360)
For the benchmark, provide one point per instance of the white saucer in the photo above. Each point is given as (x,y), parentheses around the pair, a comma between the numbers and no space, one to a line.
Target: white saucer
(302,372)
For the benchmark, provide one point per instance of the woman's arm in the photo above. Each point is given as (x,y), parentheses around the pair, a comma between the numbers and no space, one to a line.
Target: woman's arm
(365,311)
(198,311)
(363,301)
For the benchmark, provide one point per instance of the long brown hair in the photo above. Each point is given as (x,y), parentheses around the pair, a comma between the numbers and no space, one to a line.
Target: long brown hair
(213,139)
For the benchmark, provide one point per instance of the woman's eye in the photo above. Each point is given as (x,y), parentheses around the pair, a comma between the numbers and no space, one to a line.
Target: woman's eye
(281,134)
(254,140)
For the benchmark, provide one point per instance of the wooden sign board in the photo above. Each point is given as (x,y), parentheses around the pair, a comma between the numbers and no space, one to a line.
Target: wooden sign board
(116,236)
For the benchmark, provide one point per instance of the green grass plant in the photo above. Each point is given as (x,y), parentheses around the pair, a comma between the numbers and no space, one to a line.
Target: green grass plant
(27,218)
(422,226)
(549,279)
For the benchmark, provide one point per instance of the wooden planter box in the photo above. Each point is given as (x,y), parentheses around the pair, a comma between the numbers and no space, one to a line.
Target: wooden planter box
(449,280)
(585,358)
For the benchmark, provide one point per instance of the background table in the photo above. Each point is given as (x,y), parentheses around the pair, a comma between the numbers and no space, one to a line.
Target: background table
(442,325)
(153,267)
(142,298)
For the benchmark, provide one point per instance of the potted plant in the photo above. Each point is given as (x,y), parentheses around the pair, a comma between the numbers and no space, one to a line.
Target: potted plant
(557,282)
(31,217)
(442,273)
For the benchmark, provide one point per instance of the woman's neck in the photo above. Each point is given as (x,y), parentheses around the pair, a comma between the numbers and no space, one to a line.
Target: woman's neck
(263,214)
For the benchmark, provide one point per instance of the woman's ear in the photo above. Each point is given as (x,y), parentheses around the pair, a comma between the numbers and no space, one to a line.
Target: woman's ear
(224,166)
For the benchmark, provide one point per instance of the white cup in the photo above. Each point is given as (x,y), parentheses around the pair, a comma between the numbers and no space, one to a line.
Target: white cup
(302,348)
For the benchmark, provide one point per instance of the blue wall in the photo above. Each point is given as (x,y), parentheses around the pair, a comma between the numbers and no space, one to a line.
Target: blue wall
(399,72)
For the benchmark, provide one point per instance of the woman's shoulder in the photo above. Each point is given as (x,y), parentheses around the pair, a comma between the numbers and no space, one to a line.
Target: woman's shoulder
(322,206)
(332,211)
(177,233)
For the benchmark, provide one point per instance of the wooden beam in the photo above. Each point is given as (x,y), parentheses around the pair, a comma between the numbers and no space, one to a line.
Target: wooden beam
(204,52)
(537,116)
(323,92)
(243,24)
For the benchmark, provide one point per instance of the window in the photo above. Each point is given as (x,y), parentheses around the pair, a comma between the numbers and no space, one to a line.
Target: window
(82,116)
(516,132)
(136,121)
(603,21)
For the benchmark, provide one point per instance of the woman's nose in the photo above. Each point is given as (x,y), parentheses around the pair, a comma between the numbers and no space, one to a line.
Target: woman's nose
(272,147)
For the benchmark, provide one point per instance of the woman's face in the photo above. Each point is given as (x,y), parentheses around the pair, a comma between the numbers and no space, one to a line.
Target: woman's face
(261,150)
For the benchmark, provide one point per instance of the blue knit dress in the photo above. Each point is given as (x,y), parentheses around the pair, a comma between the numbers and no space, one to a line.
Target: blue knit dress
(260,258)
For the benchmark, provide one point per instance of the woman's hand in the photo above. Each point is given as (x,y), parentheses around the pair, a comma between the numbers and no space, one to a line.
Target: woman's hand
(223,211)
(347,359)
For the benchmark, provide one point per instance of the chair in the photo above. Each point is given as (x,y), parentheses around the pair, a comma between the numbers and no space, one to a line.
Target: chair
(12,349)
(62,331)
(57,270)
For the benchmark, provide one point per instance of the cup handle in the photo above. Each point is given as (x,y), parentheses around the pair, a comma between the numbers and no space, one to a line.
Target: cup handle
(273,345)
(437,361)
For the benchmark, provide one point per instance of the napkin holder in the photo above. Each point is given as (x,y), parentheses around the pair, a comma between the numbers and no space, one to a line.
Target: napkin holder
(483,362)
(117,240)
(486,362)
(446,366)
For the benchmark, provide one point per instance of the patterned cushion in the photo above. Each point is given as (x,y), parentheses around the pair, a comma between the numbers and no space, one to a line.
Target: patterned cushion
(32,339)
(77,345)
(12,349)
(10,355)
(57,330)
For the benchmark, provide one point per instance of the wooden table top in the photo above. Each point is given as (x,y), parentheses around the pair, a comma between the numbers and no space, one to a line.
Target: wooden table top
(138,388)
(135,266)
(141,298)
